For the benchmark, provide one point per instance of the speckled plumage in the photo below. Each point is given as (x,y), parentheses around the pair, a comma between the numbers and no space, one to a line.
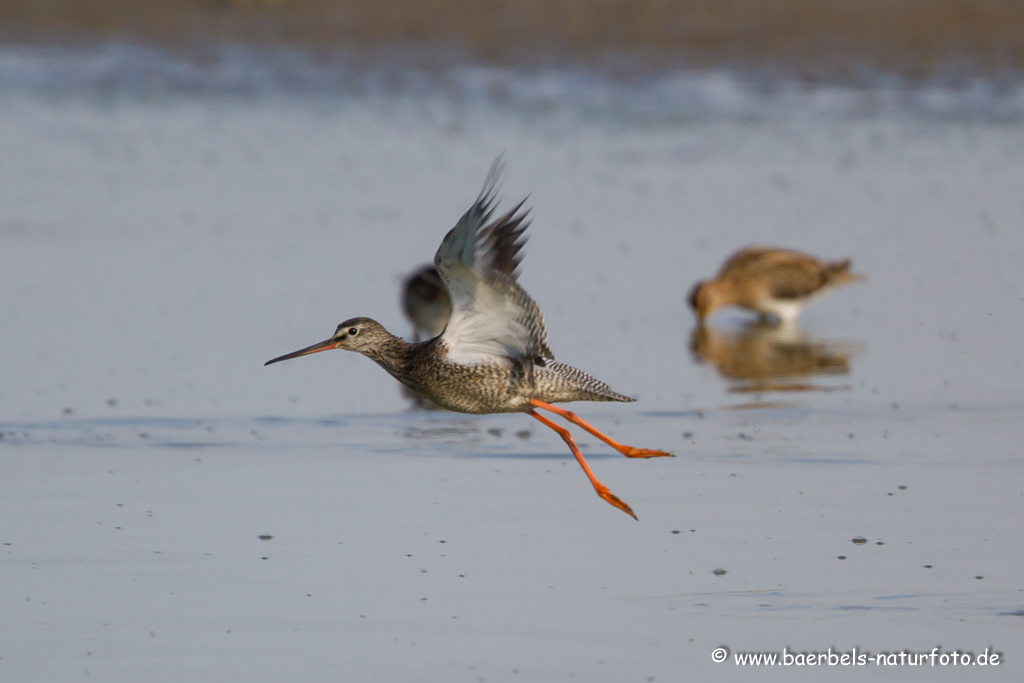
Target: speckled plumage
(479,261)
(498,387)
(492,355)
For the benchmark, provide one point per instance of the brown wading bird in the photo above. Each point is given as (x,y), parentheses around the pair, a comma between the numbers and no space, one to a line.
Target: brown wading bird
(493,355)
(771,281)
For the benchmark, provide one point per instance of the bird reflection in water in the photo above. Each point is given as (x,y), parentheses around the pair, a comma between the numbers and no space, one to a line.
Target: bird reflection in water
(762,357)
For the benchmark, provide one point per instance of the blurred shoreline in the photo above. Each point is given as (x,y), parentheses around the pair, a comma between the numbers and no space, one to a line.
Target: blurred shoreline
(451,85)
(810,40)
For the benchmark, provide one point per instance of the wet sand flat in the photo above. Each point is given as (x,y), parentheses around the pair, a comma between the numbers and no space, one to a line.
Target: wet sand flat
(155,251)
(814,37)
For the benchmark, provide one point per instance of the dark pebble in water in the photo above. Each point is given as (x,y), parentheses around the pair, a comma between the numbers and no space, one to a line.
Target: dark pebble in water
(841,557)
(687,435)
(524,433)
(264,537)
(495,431)
(112,402)
(745,436)
(879,542)
(859,540)
(675,531)
(902,488)
(979,578)
(68,411)
(927,566)
(719,572)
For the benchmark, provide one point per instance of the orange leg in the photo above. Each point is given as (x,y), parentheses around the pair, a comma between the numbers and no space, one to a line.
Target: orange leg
(601,489)
(627,451)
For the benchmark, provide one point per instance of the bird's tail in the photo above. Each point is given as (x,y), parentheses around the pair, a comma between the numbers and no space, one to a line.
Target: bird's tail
(578,385)
(839,273)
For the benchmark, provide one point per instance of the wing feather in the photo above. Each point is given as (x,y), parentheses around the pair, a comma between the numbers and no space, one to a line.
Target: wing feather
(493,319)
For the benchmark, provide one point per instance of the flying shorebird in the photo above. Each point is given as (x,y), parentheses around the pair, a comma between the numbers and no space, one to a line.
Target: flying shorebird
(771,281)
(493,355)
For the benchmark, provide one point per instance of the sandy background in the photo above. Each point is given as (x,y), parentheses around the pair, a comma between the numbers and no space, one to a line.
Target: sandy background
(816,38)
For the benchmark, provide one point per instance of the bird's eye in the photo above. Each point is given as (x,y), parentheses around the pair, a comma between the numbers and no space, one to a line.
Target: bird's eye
(353,331)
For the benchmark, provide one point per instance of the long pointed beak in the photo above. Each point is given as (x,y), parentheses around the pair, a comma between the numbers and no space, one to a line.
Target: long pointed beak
(315,348)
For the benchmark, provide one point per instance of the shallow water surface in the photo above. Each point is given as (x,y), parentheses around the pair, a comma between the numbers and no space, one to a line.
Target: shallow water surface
(156,251)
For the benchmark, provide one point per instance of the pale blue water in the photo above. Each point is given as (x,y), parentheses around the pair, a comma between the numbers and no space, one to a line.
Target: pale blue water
(158,244)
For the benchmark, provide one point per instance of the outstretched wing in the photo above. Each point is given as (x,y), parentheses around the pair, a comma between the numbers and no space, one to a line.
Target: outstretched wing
(493,319)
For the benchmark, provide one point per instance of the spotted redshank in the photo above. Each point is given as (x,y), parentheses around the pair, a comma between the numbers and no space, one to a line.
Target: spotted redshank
(493,355)
(773,282)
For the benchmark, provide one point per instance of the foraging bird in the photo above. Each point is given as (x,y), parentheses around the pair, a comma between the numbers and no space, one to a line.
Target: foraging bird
(777,282)
(493,355)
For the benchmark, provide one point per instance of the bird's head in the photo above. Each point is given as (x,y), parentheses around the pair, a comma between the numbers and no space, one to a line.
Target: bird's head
(362,335)
(703,300)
